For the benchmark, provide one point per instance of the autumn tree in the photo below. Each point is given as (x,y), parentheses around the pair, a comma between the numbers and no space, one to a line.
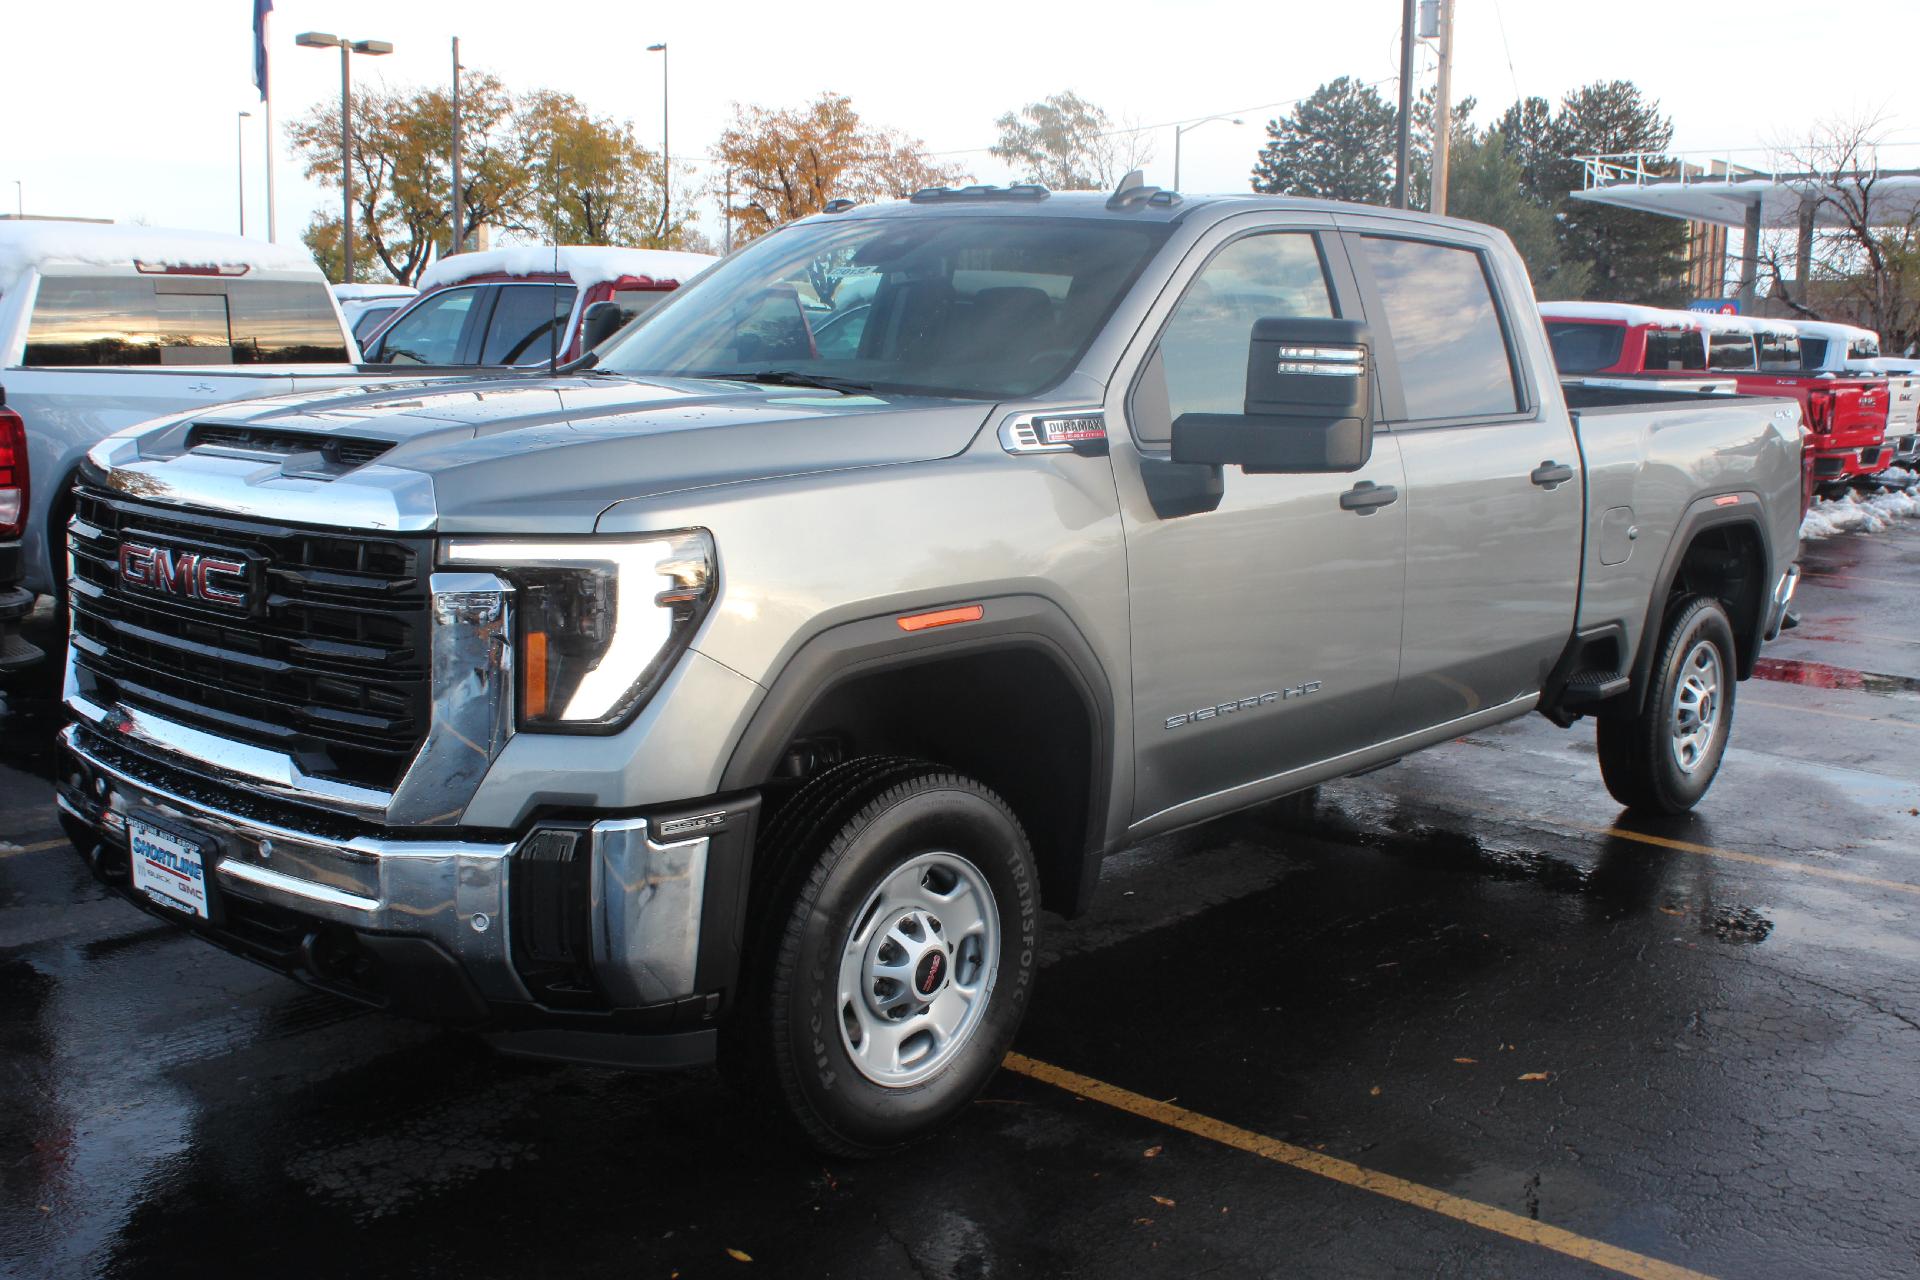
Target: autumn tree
(789,163)
(537,165)
(1066,143)
(595,183)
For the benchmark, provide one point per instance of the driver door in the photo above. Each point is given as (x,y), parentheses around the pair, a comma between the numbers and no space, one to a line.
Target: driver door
(1265,614)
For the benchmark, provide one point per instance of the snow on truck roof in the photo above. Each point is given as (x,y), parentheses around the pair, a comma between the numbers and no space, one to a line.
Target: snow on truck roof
(1621,313)
(40,245)
(585,265)
(1833,330)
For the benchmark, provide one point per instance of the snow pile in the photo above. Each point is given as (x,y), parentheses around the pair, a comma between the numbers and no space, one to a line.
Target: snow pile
(1856,514)
(25,245)
(585,265)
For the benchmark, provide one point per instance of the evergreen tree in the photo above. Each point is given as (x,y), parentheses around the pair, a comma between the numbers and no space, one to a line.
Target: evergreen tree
(1336,144)
(1634,257)
(1487,184)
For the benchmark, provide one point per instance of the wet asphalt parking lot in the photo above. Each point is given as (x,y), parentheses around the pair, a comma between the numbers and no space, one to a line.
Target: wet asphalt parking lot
(1461,1018)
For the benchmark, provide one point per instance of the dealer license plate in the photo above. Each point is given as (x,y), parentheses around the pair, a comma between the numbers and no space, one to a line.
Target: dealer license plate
(170,869)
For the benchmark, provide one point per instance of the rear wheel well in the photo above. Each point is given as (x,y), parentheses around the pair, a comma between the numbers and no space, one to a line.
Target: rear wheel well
(1011,718)
(1729,563)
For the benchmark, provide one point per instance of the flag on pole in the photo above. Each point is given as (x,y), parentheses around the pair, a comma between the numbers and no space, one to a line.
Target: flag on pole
(261,8)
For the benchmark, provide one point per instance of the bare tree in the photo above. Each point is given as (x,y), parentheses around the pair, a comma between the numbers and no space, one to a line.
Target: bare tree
(1857,250)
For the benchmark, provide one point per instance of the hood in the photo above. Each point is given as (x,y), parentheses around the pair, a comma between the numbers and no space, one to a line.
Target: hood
(547,454)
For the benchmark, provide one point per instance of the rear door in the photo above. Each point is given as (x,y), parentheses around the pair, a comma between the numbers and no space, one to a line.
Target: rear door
(1495,503)
(1265,615)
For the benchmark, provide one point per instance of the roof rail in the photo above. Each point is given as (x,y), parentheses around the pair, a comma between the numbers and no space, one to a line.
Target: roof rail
(1133,191)
(982,191)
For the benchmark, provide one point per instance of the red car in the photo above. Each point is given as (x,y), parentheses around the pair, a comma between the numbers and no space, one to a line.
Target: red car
(525,306)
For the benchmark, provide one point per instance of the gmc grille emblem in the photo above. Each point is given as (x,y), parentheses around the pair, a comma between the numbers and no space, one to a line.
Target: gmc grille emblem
(188,575)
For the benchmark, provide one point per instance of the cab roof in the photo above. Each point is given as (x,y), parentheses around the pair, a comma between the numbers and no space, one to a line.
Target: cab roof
(38,245)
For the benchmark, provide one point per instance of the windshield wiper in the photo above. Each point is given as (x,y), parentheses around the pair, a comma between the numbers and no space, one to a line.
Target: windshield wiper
(795,378)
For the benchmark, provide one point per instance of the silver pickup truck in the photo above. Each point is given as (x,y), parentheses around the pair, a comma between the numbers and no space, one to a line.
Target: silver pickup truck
(750,691)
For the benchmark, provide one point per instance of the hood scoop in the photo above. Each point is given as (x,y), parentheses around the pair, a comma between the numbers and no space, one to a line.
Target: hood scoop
(300,454)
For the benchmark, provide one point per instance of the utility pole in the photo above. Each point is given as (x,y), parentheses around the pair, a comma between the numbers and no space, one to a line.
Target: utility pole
(1443,110)
(1403,139)
(459,215)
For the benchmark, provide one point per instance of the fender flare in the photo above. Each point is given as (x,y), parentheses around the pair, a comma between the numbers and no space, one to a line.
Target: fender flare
(868,646)
(1701,515)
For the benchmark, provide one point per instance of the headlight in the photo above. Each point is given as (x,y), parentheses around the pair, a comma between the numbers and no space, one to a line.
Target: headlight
(600,621)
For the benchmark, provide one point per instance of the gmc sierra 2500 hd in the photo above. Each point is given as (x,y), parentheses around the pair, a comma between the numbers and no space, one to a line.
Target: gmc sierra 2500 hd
(750,691)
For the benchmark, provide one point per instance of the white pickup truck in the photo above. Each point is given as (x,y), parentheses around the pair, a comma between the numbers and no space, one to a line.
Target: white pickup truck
(104,326)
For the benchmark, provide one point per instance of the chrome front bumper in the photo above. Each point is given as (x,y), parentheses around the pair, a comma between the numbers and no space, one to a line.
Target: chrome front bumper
(647,909)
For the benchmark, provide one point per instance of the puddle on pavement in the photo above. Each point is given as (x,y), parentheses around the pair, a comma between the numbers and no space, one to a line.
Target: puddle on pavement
(1820,675)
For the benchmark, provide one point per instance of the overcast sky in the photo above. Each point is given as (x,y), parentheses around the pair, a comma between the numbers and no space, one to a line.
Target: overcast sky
(126,108)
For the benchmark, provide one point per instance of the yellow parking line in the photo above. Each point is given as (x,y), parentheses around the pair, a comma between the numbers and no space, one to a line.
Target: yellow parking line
(1747,700)
(1734,855)
(1471,1212)
(41,847)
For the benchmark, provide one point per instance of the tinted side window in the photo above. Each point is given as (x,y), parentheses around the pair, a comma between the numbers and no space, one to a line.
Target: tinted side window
(430,333)
(1730,351)
(1813,352)
(1579,347)
(370,319)
(86,320)
(1203,350)
(278,322)
(526,323)
(1778,352)
(1446,331)
(1669,350)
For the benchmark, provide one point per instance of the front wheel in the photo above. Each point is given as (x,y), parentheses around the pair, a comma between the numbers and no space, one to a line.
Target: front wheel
(1664,759)
(905,961)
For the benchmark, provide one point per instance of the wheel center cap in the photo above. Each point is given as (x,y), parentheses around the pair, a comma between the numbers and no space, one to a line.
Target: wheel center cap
(931,973)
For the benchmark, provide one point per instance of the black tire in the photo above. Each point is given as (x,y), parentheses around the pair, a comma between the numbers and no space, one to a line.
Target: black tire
(1638,757)
(843,837)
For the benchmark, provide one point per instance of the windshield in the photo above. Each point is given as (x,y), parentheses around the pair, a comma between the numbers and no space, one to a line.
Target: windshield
(979,307)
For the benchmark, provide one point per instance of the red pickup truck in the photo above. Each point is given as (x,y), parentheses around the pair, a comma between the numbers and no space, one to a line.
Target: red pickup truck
(1845,415)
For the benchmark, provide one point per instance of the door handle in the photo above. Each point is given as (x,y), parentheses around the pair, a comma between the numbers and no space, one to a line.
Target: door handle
(1367,495)
(1551,474)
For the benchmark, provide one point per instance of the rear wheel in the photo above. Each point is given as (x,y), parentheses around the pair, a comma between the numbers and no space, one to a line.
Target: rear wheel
(1664,759)
(904,959)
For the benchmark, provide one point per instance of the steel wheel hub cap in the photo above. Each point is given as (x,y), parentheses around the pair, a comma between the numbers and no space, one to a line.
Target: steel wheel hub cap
(917,969)
(1695,715)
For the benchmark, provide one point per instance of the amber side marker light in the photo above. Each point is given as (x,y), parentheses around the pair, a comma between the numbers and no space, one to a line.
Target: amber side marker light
(942,617)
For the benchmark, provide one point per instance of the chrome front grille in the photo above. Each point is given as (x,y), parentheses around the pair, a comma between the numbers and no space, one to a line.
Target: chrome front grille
(330,666)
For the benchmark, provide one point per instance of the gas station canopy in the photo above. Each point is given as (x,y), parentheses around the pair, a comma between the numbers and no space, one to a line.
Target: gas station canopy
(1779,198)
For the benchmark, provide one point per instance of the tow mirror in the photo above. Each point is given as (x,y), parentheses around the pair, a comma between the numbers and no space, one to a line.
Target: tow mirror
(1309,404)
(602,320)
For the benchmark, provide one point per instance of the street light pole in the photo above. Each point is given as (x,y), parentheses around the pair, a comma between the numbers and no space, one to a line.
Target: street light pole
(240,163)
(666,156)
(323,40)
(1189,128)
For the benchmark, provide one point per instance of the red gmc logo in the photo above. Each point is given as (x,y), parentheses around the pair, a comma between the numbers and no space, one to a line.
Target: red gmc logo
(189,575)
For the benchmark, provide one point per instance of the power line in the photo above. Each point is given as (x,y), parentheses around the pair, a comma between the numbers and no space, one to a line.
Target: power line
(1512,75)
